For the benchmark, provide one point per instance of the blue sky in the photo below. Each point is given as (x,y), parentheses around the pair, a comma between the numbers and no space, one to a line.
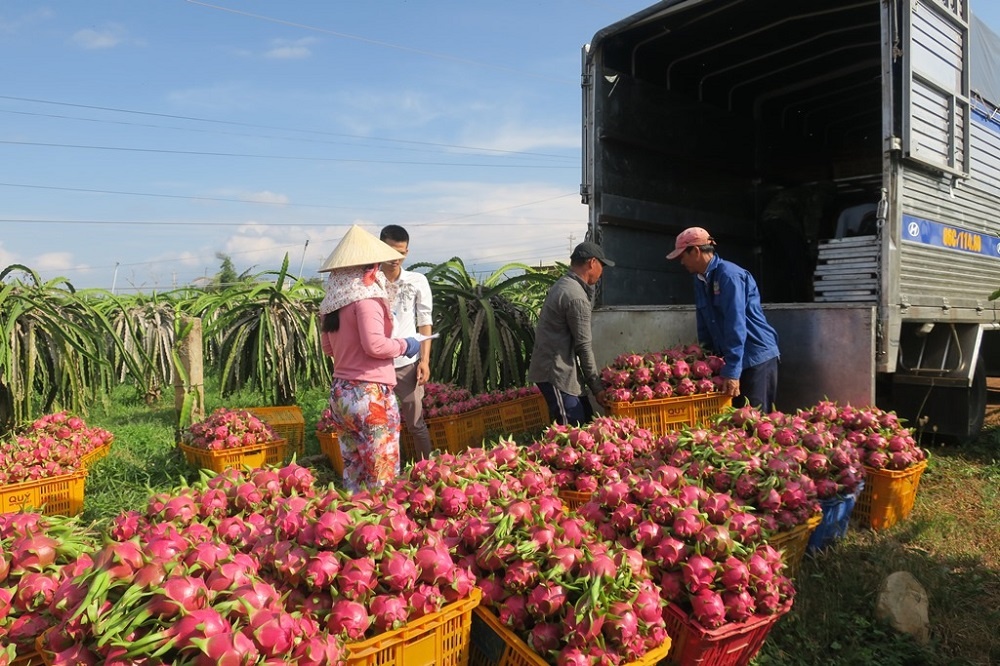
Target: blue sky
(139,139)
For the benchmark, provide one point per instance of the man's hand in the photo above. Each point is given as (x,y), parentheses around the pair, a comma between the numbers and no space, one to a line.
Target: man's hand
(423,371)
(731,387)
(602,398)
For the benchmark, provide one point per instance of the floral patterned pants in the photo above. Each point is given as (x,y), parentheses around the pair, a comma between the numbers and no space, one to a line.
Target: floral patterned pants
(366,415)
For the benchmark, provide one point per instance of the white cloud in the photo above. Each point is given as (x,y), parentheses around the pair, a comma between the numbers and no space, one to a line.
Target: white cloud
(290,49)
(6,257)
(107,37)
(19,23)
(223,97)
(266,196)
(258,196)
(486,224)
(524,137)
(55,262)
(376,111)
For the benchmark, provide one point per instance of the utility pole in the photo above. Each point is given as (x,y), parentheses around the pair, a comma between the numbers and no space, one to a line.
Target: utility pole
(114,280)
(571,239)
(303,261)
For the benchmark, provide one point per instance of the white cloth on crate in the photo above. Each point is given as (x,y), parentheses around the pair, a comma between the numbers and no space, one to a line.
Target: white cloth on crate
(411,304)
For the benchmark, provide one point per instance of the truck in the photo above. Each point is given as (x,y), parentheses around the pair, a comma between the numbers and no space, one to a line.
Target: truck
(845,152)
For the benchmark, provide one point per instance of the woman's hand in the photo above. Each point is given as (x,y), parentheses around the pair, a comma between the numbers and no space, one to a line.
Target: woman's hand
(412,347)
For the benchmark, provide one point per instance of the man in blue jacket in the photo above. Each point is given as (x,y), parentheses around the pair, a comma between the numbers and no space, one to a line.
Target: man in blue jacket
(731,321)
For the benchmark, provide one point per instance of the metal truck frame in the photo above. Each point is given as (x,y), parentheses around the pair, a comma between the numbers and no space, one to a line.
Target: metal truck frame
(847,152)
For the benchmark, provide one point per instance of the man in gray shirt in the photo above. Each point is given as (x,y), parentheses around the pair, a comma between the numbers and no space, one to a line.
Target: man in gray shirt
(563,338)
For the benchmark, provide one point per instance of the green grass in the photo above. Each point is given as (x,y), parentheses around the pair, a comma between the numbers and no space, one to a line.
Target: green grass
(145,458)
(951,544)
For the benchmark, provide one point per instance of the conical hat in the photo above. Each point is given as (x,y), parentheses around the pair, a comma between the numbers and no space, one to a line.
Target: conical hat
(358,248)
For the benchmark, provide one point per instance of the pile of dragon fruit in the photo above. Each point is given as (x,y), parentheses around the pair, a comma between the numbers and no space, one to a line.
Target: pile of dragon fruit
(241,568)
(836,439)
(706,551)
(765,478)
(450,400)
(883,441)
(678,371)
(38,554)
(229,429)
(585,457)
(263,567)
(52,445)
(573,596)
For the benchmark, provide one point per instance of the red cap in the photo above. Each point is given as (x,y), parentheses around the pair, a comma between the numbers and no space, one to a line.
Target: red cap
(690,237)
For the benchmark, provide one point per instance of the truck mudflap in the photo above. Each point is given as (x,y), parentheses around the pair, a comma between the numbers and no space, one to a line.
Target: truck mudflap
(827,350)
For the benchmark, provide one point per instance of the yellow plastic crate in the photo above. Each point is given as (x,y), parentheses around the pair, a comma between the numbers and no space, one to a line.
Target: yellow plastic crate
(574,499)
(668,414)
(269,453)
(61,495)
(287,423)
(329,444)
(794,542)
(439,639)
(452,434)
(512,417)
(493,644)
(88,459)
(888,496)
(30,659)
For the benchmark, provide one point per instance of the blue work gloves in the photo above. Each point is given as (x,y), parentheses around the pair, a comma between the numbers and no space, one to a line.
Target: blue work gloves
(412,347)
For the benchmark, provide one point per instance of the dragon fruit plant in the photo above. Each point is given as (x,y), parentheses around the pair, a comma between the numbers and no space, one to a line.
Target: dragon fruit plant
(229,429)
(678,371)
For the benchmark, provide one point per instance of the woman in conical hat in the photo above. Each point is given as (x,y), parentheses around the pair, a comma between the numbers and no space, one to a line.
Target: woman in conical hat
(356,327)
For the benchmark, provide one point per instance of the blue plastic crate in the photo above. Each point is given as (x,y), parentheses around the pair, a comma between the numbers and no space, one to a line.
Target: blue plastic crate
(836,516)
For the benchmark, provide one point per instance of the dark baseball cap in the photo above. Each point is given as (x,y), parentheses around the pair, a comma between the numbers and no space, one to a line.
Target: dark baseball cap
(587,250)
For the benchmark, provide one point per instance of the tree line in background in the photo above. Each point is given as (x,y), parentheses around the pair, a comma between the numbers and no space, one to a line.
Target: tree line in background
(65,348)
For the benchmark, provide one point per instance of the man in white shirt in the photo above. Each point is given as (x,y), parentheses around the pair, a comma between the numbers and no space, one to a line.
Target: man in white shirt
(410,301)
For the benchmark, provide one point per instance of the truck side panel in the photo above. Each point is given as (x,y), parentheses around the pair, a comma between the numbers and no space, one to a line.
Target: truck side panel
(959,277)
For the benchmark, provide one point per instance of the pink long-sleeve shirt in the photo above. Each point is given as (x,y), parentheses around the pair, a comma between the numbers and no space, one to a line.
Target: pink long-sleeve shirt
(362,349)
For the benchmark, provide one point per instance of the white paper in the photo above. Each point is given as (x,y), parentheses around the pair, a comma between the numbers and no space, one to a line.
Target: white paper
(420,338)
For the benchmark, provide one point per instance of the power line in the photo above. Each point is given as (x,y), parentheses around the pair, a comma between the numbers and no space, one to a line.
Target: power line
(163,151)
(279,203)
(424,146)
